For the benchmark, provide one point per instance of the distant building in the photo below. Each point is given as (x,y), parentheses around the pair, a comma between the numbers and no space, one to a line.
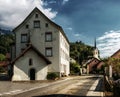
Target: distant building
(94,63)
(96,51)
(116,54)
(111,70)
(41,47)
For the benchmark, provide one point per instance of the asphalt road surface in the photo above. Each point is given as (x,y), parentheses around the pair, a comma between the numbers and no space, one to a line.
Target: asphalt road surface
(66,87)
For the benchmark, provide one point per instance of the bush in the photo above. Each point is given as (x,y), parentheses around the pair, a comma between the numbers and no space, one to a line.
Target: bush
(2,57)
(74,68)
(52,76)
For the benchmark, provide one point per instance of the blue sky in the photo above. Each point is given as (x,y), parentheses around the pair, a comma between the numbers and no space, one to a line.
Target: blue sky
(80,19)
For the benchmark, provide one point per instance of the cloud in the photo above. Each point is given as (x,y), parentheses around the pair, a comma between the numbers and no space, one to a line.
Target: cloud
(13,12)
(109,43)
(69,28)
(65,1)
(77,35)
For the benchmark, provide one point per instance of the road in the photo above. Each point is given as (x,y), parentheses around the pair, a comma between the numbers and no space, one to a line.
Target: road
(77,86)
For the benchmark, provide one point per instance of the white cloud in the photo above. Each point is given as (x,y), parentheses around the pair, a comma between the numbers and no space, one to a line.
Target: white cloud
(69,28)
(109,43)
(77,35)
(65,1)
(13,12)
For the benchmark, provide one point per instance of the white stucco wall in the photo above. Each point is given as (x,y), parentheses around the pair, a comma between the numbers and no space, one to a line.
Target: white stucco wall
(21,67)
(38,40)
(64,55)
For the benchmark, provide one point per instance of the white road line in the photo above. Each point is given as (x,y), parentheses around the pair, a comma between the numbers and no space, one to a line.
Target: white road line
(11,92)
(91,91)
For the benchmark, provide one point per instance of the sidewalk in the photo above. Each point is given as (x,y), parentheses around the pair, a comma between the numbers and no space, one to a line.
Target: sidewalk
(96,90)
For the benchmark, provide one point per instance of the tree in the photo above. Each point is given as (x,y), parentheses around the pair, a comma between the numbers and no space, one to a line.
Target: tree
(5,41)
(74,68)
(80,52)
(115,63)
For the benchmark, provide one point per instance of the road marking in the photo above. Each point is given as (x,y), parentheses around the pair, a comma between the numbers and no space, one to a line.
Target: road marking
(11,92)
(91,91)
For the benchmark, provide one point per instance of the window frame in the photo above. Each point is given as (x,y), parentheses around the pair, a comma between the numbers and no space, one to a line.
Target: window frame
(36,15)
(30,62)
(27,26)
(48,34)
(51,52)
(46,25)
(36,24)
(23,39)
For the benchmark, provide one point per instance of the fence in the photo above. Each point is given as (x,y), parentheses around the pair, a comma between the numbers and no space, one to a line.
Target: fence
(108,87)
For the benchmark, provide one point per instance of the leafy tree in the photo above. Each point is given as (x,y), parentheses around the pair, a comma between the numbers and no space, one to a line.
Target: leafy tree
(5,41)
(74,68)
(2,57)
(115,63)
(80,52)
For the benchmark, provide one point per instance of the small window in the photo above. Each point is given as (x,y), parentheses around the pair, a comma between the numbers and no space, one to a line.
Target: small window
(30,62)
(36,15)
(46,25)
(27,26)
(48,36)
(23,38)
(48,52)
(36,24)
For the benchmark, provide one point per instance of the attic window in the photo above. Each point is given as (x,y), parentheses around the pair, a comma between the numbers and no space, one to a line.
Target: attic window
(36,24)
(36,15)
(27,26)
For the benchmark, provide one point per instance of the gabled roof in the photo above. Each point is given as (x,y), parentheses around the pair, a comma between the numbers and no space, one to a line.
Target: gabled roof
(54,24)
(91,60)
(33,48)
(116,53)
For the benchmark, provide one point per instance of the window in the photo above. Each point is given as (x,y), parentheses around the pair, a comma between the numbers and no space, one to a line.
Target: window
(36,15)
(30,62)
(46,25)
(36,24)
(27,26)
(48,52)
(23,38)
(48,36)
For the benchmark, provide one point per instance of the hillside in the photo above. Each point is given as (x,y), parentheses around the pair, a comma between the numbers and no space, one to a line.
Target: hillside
(6,38)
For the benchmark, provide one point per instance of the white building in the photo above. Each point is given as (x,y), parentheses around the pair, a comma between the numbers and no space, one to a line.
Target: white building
(41,46)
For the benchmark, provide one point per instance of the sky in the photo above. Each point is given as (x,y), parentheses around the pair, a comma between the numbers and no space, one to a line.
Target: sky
(81,20)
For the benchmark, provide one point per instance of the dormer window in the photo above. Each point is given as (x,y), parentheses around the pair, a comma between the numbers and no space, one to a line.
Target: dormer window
(36,24)
(36,15)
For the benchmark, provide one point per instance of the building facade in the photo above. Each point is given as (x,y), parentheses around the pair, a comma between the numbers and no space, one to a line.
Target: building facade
(47,37)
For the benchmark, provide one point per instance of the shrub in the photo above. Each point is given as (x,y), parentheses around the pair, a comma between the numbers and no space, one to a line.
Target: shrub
(52,76)
(74,68)
(2,57)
